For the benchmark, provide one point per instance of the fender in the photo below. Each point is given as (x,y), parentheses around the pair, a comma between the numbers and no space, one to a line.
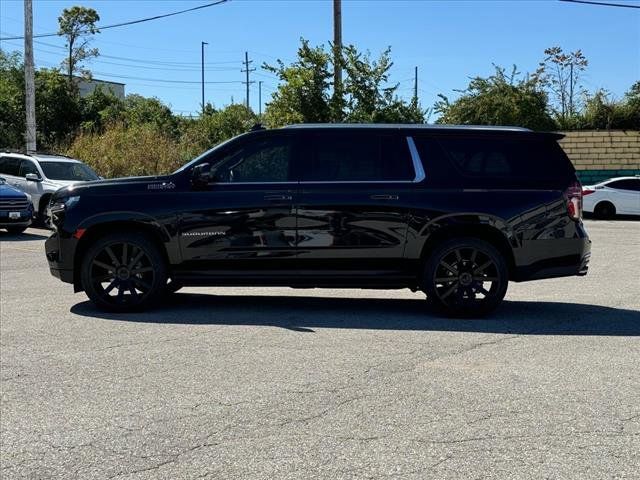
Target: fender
(166,230)
(423,229)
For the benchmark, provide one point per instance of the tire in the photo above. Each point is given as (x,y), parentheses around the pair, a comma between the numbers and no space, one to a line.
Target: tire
(604,210)
(452,278)
(129,264)
(16,230)
(43,218)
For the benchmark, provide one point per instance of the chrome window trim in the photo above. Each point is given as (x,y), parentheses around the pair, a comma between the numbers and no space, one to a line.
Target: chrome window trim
(417,161)
(418,170)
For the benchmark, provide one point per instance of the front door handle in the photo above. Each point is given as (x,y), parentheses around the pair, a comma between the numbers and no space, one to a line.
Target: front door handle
(276,198)
(384,197)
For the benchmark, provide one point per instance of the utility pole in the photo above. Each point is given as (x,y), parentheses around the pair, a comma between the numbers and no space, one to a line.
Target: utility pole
(337,50)
(260,98)
(202,44)
(247,70)
(29,77)
(415,87)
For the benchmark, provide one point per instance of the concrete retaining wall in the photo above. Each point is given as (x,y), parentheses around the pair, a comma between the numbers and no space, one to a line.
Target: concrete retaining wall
(599,155)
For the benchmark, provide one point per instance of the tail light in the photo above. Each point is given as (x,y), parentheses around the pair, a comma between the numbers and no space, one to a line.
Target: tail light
(574,200)
(587,191)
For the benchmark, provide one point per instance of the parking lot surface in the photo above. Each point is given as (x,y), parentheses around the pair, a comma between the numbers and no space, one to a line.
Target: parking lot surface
(276,383)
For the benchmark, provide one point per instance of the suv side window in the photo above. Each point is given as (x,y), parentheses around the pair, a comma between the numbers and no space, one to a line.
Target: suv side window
(256,161)
(10,166)
(357,157)
(27,166)
(509,161)
(629,184)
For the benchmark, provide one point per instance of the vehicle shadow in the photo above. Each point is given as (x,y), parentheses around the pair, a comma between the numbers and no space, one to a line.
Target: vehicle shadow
(21,237)
(304,313)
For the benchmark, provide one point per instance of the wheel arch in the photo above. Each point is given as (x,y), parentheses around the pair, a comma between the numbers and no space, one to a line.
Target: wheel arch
(483,231)
(45,197)
(154,232)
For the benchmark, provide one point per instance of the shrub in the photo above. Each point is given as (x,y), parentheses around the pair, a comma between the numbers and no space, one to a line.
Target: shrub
(127,151)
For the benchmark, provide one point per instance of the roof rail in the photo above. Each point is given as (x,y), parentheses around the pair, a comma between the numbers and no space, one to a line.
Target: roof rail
(31,152)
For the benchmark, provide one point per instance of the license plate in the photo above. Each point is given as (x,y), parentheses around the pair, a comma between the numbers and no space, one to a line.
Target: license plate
(13,215)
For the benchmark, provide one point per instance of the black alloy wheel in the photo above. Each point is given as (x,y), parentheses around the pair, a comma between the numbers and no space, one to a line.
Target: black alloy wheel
(123,272)
(466,277)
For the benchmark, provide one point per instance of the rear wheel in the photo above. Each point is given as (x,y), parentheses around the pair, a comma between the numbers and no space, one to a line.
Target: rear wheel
(466,277)
(123,272)
(604,210)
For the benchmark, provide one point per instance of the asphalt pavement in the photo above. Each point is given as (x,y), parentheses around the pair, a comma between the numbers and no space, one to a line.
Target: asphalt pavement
(277,383)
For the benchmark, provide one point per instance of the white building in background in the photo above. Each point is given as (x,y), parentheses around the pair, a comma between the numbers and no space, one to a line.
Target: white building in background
(86,87)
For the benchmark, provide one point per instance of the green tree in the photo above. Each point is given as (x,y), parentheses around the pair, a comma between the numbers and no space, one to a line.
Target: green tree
(58,112)
(305,92)
(369,97)
(205,132)
(303,95)
(140,110)
(499,99)
(560,74)
(12,116)
(602,112)
(76,24)
(99,108)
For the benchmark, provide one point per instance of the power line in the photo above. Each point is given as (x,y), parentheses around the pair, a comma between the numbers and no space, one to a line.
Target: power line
(104,74)
(131,22)
(168,63)
(602,4)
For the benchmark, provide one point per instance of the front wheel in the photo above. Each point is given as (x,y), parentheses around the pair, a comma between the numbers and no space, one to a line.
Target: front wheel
(123,272)
(466,277)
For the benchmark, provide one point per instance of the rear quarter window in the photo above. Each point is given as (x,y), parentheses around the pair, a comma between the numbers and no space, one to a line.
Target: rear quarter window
(484,161)
(9,166)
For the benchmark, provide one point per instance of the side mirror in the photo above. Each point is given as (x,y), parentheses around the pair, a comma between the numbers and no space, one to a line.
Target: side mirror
(201,175)
(32,177)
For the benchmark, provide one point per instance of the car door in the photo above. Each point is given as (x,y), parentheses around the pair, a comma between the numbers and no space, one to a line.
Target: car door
(33,188)
(626,194)
(352,208)
(244,219)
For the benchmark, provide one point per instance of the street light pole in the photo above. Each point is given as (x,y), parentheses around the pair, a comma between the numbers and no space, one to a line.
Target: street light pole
(202,44)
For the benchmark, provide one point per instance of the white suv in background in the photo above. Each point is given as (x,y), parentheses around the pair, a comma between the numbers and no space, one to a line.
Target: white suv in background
(619,195)
(41,174)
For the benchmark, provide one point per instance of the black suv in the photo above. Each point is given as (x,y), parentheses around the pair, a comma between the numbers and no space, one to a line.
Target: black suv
(456,212)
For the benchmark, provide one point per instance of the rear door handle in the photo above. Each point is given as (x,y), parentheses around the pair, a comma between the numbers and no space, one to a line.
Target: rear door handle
(384,197)
(276,198)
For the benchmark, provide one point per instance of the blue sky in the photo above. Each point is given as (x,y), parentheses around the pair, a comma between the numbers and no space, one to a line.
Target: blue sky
(448,40)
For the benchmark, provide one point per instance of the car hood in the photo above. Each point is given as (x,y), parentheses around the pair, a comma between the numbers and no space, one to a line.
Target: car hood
(117,185)
(7,191)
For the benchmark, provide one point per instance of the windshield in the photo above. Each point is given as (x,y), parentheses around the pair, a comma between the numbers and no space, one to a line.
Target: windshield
(197,160)
(69,171)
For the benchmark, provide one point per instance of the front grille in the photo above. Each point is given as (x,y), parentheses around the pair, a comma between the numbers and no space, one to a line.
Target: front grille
(13,205)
